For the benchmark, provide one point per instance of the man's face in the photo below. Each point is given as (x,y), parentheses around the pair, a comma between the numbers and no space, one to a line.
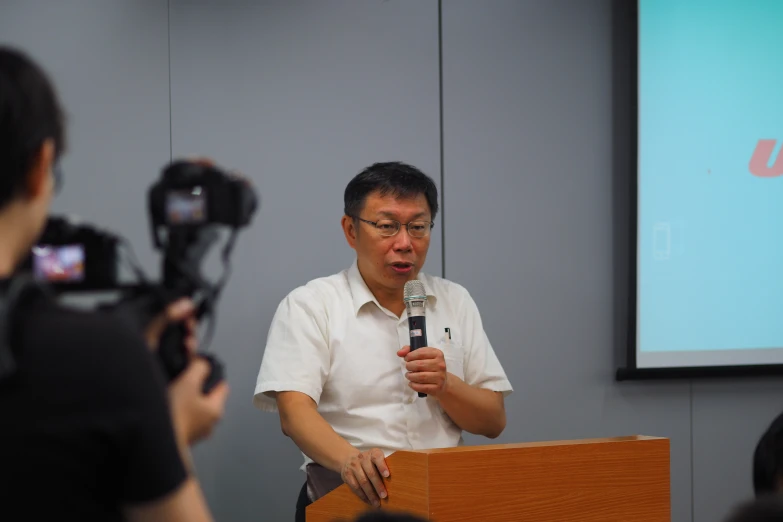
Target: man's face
(389,262)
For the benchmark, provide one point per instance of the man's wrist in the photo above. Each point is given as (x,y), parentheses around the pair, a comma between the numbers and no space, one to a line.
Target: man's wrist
(448,386)
(349,452)
(336,462)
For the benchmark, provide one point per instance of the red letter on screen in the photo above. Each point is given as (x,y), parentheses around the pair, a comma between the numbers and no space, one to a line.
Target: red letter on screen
(759,162)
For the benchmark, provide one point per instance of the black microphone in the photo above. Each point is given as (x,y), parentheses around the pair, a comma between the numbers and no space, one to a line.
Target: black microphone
(415,299)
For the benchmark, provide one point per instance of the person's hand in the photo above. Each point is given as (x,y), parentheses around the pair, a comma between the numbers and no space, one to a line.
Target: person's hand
(426,369)
(194,413)
(182,310)
(363,473)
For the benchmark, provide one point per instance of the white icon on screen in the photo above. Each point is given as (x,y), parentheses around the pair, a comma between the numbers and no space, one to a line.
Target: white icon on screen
(662,241)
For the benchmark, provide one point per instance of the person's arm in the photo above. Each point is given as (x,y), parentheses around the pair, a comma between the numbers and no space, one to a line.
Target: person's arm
(362,471)
(194,415)
(158,483)
(185,504)
(300,421)
(475,403)
(475,410)
(294,370)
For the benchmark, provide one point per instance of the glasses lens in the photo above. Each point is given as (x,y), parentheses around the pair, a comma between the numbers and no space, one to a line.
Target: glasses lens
(419,228)
(387,227)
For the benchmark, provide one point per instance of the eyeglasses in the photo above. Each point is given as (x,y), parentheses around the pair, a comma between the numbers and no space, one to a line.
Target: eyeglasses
(390,227)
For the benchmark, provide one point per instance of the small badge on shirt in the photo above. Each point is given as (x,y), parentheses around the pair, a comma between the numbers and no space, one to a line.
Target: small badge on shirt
(415,333)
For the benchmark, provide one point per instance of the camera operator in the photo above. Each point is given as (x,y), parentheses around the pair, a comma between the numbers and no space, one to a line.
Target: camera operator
(89,429)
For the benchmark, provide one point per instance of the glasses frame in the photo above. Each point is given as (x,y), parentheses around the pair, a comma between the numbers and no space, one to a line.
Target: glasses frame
(399,226)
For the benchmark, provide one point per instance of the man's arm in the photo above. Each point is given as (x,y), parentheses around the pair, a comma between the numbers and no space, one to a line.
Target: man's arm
(293,371)
(300,420)
(475,402)
(475,410)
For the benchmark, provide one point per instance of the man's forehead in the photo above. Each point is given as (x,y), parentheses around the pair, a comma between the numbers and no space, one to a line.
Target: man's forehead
(389,205)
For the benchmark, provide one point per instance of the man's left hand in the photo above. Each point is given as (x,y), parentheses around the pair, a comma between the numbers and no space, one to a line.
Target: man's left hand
(426,370)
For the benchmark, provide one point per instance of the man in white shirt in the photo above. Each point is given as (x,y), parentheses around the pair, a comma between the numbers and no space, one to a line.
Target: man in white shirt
(337,364)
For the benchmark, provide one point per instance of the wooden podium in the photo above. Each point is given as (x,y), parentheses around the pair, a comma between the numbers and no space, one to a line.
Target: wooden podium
(606,480)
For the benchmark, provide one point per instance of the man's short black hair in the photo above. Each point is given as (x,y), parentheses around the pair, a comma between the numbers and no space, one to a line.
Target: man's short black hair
(766,508)
(30,113)
(391,178)
(768,459)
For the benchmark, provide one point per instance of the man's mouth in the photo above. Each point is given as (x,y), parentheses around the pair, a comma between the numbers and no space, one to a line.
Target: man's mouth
(402,268)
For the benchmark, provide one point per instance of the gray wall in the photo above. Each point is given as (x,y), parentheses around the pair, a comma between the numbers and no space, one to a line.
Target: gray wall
(300,96)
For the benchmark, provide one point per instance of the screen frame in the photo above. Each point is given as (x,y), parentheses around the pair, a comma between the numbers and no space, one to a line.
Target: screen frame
(625,84)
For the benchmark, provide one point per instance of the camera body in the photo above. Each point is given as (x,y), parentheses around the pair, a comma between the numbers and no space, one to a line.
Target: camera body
(192,194)
(74,257)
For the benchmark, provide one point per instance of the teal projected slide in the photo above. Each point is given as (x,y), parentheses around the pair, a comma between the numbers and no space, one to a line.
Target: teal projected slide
(710,183)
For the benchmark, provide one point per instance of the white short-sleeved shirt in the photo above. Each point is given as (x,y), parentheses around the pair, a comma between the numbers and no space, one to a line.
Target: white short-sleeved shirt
(333,341)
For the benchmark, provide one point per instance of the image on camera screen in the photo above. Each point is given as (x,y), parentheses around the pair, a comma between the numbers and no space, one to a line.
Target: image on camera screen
(186,206)
(61,263)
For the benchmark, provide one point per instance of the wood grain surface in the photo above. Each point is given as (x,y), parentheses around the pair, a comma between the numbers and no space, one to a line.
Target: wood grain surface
(607,480)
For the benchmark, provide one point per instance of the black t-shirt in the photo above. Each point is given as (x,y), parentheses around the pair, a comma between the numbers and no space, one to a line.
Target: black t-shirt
(84,424)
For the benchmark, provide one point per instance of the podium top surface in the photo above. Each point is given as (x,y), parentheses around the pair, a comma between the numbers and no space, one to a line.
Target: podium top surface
(520,445)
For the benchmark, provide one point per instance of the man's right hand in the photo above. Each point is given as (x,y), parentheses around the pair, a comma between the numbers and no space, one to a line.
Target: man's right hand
(363,473)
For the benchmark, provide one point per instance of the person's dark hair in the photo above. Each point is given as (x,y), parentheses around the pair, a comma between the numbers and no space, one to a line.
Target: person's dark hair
(392,178)
(384,516)
(30,113)
(766,508)
(768,459)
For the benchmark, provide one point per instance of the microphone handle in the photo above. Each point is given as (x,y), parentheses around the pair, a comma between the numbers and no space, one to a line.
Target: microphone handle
(417,325)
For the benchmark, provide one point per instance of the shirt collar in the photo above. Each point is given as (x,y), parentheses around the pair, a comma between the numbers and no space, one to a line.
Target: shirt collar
(362,295)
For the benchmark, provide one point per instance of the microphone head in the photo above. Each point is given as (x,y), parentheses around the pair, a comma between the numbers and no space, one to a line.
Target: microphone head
(414,291)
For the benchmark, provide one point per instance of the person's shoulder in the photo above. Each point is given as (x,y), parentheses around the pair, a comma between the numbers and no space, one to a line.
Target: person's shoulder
(61,322)
(447,288)
(91,344)
(321,290)
(451,294)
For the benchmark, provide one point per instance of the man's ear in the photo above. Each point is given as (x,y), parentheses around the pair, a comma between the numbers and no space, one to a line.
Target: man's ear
(40,174)
(350,230)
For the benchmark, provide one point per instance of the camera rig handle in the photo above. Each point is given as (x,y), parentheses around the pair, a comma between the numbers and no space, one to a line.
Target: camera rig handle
(173,356)
(184,252)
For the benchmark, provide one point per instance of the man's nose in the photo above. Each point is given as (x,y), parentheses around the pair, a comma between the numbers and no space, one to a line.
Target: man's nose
(402,241)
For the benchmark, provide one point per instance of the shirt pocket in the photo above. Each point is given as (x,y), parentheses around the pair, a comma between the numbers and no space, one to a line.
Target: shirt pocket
(454,355)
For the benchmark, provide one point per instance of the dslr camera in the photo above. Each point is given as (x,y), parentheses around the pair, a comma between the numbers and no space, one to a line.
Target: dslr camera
(187,207)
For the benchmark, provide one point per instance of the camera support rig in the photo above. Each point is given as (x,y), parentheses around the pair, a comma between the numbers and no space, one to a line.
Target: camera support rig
(187,206)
